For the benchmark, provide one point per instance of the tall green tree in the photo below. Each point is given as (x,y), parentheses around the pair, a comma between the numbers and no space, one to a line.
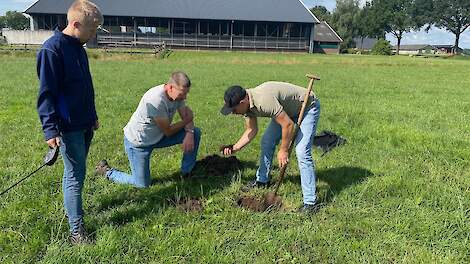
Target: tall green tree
(2,22)
(397,17)
(344,20)
(368,25)
(321,13)
(16,20)
(452,15)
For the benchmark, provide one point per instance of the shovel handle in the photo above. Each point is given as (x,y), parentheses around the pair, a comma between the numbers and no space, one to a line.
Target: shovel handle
(297,127)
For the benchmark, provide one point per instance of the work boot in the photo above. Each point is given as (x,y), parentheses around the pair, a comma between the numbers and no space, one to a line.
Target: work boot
(79,237)
(255,184)
(102,168)
(309,208)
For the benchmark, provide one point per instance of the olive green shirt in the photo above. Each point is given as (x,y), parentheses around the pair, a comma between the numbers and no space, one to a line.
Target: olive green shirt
(271,98)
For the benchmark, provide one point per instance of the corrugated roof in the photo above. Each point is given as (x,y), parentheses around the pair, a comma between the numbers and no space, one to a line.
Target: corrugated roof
(324,33)
(247,10)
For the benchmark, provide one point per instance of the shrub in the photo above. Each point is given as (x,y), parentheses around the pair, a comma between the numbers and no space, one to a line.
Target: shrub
(382,47)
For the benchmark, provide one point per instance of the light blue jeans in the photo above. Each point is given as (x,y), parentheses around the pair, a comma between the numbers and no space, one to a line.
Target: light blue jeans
(74,150)
(139,159)
(303,150)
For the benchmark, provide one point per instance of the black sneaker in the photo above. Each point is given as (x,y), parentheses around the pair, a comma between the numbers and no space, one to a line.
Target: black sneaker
(79,237)
(255,184)
(309,208)
(102,168)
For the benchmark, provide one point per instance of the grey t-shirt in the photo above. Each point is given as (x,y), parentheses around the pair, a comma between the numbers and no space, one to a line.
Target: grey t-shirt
(141,130)
(269,99)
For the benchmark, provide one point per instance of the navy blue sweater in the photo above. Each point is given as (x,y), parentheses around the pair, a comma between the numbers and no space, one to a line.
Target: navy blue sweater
(66,100)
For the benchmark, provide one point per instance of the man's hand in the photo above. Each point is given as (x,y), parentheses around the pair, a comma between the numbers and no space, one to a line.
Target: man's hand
(227,150)
(54,142)
(188,142)
(282,158)
(97,125)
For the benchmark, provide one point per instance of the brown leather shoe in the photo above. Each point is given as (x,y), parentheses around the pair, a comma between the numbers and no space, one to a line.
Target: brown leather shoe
(102,168)
(79,237)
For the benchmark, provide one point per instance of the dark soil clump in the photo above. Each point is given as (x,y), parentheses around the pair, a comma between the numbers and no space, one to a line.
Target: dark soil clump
(190,205)
(268,203)
(272,201)
(251,203)
(216,165)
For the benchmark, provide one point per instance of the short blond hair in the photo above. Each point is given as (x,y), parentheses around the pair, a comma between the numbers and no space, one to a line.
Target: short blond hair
(85,12)
(180,78)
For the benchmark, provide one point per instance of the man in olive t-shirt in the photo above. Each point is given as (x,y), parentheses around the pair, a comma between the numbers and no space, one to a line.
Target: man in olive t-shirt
(281,102)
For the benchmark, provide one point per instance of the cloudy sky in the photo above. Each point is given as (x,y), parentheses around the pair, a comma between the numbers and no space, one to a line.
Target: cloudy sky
(435,36)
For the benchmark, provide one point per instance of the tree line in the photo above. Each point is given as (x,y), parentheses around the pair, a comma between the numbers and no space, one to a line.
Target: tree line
(14,20)
(378,17)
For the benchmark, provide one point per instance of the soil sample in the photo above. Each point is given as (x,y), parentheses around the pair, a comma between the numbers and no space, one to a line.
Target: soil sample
(215,165)
(268,203)
(190,205)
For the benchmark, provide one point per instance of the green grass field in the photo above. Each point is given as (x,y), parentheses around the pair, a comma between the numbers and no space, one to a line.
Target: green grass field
(398,192)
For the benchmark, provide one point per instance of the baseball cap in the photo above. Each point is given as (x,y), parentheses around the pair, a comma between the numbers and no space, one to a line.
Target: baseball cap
(232,97)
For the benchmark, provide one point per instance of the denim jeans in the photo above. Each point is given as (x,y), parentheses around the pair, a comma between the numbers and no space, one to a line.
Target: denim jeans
(74,150)
(303,149)
(139,159)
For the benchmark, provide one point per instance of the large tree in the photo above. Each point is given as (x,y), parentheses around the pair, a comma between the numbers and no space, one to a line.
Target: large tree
(452,15)
(398,17)
(368,25)
(16,20)
(344,20)
(2,22)
(321,13)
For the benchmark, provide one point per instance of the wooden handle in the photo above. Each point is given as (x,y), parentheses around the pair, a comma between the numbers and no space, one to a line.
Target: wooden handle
(311,76)
(304,104)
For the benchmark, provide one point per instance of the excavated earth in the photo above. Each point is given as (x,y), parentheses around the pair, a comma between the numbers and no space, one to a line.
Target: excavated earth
(190,205)
(215,165)
(269,202)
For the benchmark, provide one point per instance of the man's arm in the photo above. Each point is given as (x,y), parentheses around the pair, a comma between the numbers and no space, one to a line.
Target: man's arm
(170,129)
(287,126)
(188,142)
(251,129)
(167,128)
(49,72)
(187,114)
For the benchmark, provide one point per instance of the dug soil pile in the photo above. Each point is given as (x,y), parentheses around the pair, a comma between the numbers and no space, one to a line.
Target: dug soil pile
(216,165)
(268,203)
(190,205)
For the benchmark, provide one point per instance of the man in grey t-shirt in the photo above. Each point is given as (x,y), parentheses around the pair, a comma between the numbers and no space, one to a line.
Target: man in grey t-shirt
(281,102)
(151,126)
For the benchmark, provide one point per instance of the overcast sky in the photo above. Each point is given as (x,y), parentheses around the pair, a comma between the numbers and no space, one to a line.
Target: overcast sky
(435,36)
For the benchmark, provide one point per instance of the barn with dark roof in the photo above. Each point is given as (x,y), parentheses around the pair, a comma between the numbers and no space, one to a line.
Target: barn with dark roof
(201,24)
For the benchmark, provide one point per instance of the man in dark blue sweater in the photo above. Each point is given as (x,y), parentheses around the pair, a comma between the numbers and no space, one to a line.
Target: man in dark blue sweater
(66,104)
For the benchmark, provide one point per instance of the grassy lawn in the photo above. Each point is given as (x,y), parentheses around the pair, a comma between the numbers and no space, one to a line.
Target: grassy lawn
(398,192)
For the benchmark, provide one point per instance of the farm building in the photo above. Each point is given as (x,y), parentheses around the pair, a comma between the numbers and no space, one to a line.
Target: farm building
(416,49)
(325,39)
(365,43)
(203,24)
(447,49)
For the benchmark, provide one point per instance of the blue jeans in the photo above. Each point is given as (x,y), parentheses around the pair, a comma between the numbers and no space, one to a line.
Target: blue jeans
(74,150)
(139,159)
(303,149)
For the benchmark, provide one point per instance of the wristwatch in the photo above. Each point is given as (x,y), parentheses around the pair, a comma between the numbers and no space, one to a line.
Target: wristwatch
(189,130)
